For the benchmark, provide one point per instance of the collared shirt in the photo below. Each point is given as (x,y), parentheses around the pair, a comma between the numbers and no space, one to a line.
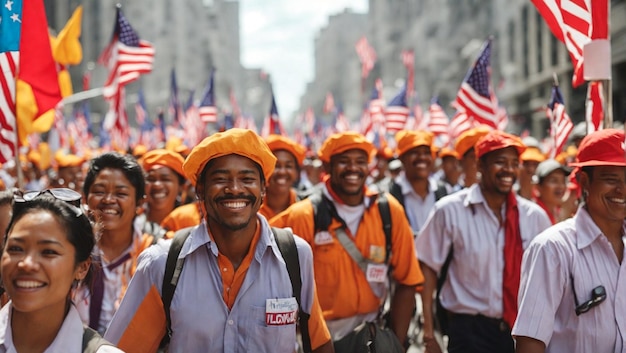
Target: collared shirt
(69,339)
(417,208)
(201,321)
(463,221)
(343,288)
(574,249)
(116,279)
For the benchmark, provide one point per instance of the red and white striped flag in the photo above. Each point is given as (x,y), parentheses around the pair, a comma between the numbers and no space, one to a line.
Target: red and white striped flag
(397,113)
(560,123)
(367,56)
(595,107)
(207,109)
(329,104)
(576,23)
(8,133)
(459,123)
(438,123)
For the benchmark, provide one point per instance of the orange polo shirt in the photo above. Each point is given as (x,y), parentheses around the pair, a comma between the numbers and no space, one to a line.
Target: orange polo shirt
(342,286)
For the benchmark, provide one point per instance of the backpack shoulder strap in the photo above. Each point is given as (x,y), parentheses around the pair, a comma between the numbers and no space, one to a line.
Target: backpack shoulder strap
(287,246)
(441,190)
(92,340)
(385,215)
(321,211)
(396,191)
(173,268)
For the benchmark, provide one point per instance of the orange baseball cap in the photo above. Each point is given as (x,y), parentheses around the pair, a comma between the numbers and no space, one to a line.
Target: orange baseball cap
(407,140)
(533,154)
(68,160)
(345,141)
(165,158)
(448,152)
(279,142)
(237,141)
(496,140)
(467,139)
(139,151)
(604,147)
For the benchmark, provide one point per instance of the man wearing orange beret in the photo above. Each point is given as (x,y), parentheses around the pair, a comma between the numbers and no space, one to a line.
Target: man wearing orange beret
(416,190)
(464,148)
(234,293)
(69,172)
(281,192)
(351,293)
(482,230)
(531,158)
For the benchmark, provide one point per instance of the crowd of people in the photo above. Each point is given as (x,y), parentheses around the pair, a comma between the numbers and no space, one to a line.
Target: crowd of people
(251,244)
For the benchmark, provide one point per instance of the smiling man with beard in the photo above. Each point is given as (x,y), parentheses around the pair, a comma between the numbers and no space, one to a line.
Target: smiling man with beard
(234,292)
(350,294)
(483,230)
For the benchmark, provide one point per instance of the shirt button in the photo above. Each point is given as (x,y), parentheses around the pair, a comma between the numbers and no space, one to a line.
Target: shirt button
(230,322)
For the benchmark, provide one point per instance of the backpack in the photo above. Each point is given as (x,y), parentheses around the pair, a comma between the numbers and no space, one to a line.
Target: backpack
(92,340)
(324,210)
(287,246)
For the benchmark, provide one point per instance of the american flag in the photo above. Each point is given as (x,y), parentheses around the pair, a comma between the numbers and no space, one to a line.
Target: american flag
(560,123)
(341,122)
(9,60)
(126,57)
(234,106)
(576,23)
(146,127)
(459,123)
(474,95)
(397,112)
(595,106)
(438,122)
(367,56)
(272,123)
(408,60)
(207,109)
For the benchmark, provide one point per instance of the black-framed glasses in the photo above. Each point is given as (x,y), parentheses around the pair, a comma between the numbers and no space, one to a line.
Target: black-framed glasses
(598,295)
(63,194)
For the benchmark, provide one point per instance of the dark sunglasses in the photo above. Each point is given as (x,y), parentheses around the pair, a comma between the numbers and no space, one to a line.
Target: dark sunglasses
(63,194)
(598,295)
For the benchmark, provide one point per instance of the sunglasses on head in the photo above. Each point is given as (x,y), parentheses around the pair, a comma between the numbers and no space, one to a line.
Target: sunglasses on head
(63,194)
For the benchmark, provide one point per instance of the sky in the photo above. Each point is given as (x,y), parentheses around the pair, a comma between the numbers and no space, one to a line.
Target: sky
(278,37)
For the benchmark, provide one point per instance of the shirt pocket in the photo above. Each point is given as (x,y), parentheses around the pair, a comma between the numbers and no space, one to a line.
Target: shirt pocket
(269,338)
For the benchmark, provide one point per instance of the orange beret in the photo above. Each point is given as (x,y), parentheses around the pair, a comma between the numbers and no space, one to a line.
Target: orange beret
(345,141)
(407,140)
(467,140)
(496,140)
(385,152)
(68,160)
(448,152)
(533,154)
(139,150)
(279,142)
(165,158)
(242,142)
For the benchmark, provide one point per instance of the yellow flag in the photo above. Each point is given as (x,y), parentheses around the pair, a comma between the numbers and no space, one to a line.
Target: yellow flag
(66,48)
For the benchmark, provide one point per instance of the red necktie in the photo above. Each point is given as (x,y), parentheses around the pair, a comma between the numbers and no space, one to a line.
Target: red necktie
(513,252)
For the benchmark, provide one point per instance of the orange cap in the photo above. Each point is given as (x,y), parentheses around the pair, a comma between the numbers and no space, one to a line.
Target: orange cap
(407,140)
(467,140)
(242,142)
(496,140)
(139,151)
(165,158)
(532,154)
(279,142)
(448,152)
(345,141)
(68,160)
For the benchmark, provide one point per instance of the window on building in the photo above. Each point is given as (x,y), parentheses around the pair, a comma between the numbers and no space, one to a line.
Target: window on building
(512,40)
(525,41)
(554,50)
(539,35)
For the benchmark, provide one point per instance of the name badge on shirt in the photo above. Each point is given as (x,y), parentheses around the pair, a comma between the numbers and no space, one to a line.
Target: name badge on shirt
(323,238)
(376,273)
(281,311)
(377,253)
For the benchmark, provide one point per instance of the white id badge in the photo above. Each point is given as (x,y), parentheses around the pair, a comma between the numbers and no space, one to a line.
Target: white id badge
(282,311)
(376,273)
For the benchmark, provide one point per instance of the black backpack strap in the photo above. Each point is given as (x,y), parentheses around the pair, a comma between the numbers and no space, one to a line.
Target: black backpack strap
(441,190)
(287,246)
(92,340)
(321,210)
(173,268)
(385,215)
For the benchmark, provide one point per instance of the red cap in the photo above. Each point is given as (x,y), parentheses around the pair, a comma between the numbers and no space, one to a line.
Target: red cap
(604,147)
(497,140)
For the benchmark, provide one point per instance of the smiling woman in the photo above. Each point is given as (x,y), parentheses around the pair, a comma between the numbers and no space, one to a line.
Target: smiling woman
(47,252)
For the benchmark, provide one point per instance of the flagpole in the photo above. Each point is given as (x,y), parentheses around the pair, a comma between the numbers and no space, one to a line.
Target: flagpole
(552,124)
(18,165)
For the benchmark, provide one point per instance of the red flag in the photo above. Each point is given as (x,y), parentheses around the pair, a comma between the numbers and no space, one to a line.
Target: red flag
(595,107)
(576,23)
(408,60)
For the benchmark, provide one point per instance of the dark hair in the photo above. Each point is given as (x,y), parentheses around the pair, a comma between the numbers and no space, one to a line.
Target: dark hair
(126,163)
(77,227)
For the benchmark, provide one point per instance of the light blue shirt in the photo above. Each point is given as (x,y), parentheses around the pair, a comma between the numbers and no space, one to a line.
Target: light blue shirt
(201,321)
